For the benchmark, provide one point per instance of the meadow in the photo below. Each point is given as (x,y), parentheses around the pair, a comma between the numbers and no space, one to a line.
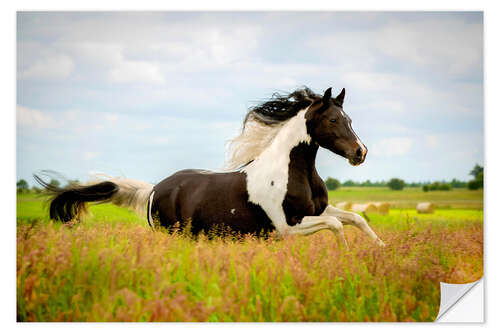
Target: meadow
(113,267)
(409,197)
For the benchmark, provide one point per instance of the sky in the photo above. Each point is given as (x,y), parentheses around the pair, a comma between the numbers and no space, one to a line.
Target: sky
(142,95)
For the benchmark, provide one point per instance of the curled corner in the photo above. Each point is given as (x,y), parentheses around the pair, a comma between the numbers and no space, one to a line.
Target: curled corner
(451,293)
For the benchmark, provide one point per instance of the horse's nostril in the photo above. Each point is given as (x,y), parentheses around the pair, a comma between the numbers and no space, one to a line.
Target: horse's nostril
(358,152)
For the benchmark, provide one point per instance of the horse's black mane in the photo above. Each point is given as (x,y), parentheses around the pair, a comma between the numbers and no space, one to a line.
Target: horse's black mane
(282,107)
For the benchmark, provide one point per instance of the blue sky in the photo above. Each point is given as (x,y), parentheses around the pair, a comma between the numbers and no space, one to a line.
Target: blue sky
(143,95)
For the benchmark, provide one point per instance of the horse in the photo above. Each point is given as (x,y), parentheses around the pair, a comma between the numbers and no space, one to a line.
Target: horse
(270,182)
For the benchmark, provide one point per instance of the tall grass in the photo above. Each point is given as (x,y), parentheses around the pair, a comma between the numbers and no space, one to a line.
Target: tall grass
(102,271)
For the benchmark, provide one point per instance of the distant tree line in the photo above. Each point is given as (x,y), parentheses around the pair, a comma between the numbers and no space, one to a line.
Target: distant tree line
(399,184)
(23,186)
(437,186)
(396,183)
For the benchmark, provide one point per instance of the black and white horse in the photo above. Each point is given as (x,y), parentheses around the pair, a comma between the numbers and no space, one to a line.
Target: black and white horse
(276,187)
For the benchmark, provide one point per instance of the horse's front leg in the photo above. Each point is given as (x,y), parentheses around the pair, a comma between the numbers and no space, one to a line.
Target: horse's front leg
(354,219)
(312,224)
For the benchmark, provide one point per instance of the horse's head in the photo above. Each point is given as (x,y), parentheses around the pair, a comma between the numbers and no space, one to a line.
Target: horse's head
(330,127)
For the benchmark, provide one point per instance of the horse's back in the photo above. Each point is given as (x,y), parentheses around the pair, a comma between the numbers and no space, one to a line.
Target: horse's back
(208,199)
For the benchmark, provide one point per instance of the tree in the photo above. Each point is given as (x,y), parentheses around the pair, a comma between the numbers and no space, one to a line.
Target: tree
(476,171)
(480,177)
(444,187)
(367,183)
(22,186)
(474,185)
(437,186)
(434,186)
(455,183)
(349,183)
(332,183)
(478,182)
(396,184)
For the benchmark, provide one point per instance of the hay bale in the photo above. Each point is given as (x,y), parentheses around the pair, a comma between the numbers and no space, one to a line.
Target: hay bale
(345,205)
(383,207)
(365,208)
(425,208)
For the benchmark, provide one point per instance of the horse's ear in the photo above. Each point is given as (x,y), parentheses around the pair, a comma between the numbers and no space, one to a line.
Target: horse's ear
(340,97)
(327,96)
(325,100)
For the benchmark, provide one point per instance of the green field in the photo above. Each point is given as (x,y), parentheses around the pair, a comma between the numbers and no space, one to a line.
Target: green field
(409,197)
(113,267)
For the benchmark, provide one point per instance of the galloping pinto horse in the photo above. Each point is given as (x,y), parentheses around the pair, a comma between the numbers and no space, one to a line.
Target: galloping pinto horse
(276,186)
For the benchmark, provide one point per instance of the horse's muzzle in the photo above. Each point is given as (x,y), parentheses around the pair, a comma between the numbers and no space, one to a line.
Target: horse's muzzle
(356,161)
(358,157)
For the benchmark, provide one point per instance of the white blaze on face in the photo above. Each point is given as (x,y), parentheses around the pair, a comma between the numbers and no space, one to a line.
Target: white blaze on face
(267,175)
(358,141)
(363,147)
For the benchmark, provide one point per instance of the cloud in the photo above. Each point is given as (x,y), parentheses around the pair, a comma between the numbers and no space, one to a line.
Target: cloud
(392,147)
(136,71)
(27,117)
(90,155)
(60,59)
(160,140)
(111,117)
(452,45)
(389,85)
(94,53)
(449,45)
(151,52)
(74,122)
(431,141)
(58,66)
(111,59)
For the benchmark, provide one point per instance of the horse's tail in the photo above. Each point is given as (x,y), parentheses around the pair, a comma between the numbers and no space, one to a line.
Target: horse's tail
(71,201)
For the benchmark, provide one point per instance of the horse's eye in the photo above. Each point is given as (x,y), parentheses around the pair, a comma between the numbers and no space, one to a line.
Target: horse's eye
(333,120)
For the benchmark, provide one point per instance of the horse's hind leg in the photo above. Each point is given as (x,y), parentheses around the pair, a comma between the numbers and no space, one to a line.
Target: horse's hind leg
(353,219)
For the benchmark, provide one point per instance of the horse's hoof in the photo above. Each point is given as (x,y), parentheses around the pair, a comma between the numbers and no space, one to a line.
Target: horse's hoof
(380,243)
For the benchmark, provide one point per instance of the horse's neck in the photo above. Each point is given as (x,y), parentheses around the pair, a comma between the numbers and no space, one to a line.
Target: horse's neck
(291,148)
(269,176)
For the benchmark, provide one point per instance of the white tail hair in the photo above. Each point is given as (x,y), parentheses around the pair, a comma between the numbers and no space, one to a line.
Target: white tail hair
(132,193)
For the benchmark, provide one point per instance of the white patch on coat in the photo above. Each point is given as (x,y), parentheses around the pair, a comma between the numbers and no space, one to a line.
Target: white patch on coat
(272,166)
(233,211)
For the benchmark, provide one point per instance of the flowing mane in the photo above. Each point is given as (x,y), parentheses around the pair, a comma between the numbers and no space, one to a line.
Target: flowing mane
(263,122)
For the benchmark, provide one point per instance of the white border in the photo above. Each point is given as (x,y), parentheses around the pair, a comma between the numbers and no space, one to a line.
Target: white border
(492,109)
